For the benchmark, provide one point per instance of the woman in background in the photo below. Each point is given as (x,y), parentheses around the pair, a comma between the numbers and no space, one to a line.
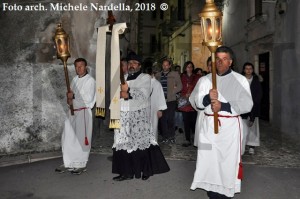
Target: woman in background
(189,80)
(250,120)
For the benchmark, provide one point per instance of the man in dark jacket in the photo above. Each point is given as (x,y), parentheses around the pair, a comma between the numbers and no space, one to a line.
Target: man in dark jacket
(171,83)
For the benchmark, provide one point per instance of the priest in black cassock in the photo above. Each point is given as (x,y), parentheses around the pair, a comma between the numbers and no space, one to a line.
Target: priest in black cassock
(135,149)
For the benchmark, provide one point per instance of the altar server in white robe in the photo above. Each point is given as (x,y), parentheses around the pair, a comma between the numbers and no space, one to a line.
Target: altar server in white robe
(158,101)
(218,168)
(200,112)
(77,134)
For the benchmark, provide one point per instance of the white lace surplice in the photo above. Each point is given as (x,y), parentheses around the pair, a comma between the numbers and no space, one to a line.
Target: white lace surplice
(136,132)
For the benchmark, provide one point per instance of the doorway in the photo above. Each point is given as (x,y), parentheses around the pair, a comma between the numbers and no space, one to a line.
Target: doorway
(264,72)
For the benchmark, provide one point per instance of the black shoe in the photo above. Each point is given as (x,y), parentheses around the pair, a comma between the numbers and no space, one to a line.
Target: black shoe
(122,177)
(78,171)
(186,144)
(62,169)
(117,177)
(145,177)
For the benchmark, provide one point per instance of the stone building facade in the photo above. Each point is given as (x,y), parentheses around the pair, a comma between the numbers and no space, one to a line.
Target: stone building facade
(32,101)
(265,33)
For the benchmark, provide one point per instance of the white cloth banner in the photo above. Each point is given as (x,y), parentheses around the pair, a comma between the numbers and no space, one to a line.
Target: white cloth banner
(100,71)
(115,75)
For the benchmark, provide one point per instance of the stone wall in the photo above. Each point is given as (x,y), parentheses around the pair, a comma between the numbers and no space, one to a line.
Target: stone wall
(277,33)
(234,35)
(287,70)
(32,101)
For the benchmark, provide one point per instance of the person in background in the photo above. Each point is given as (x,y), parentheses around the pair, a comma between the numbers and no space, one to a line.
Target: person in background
(178,69)
(188,80)
(77,134)
(209,64)
(204,73)
(198,71)
(158,102)
(251,119)
(178,114)
(171,84)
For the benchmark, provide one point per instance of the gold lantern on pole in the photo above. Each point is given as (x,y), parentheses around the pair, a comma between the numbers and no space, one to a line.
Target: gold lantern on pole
(62,44)
(211,23)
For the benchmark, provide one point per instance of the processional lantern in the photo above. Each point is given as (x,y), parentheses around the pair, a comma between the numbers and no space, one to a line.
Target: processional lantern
(62,44)
(211,23)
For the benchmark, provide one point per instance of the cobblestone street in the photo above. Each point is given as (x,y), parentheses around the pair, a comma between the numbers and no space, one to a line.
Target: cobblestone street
(273,172)
(275,149)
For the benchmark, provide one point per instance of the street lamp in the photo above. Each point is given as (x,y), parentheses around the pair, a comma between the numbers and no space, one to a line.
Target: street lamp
(211,22)
(62,44)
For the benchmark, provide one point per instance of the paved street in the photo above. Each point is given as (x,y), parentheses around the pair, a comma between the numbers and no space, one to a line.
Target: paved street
(275,150)
(272,173)
(39,181)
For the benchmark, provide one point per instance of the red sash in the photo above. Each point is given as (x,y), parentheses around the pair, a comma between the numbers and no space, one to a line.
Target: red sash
(86,141)
(240,172)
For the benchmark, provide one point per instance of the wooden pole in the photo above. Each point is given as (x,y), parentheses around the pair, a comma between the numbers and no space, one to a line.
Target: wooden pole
(122,79)
(214,86)
(68,84)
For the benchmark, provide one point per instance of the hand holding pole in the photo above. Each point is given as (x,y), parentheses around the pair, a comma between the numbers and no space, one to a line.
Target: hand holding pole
(211,23)
(68,85)
(214,86)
